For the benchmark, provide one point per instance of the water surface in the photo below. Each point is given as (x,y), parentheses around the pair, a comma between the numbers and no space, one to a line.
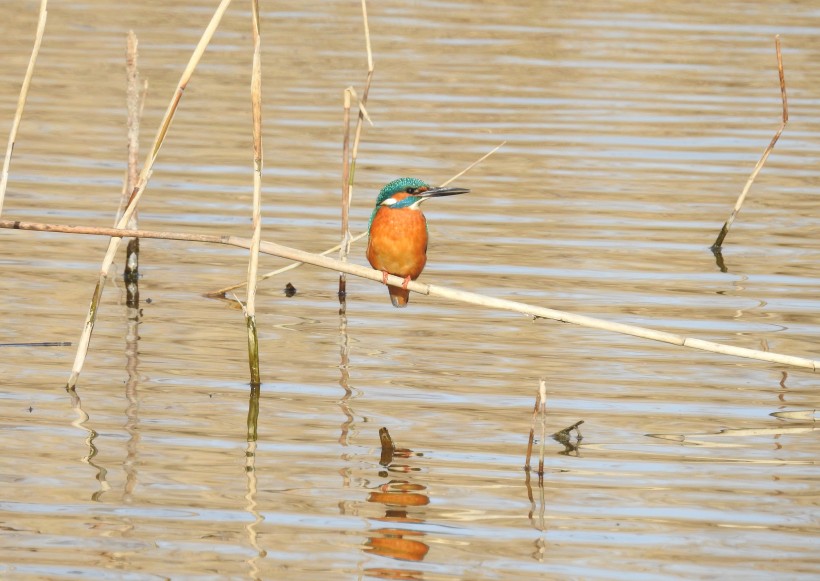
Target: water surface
(631,128)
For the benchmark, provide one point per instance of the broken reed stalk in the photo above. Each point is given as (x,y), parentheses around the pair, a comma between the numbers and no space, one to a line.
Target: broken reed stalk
(253,260)
(531,439)
(539,409)
(220,293)
(139,188)
(728,224)
(542,395)
(433,290)
(21,100)
(344,249)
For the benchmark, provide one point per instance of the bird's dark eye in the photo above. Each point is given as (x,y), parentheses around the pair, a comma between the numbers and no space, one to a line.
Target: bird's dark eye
(410,190)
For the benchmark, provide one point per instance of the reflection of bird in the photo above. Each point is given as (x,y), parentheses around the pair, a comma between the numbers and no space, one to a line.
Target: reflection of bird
(397,232)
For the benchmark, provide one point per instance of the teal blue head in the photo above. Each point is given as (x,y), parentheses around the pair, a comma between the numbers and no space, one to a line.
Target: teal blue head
(409,193)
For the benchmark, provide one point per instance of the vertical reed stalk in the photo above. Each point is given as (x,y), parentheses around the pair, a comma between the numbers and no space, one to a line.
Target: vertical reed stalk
(728,224)
(531,438)
(139,188)
(133,106)
(131,274)
(540,408)
(21,100)
(344,249)
(542,395)
(253,261)
(360,119)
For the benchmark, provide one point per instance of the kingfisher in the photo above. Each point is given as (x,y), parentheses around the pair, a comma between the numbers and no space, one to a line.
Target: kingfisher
(397,232)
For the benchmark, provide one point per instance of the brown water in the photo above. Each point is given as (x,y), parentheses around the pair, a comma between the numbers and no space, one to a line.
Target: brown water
(631,128)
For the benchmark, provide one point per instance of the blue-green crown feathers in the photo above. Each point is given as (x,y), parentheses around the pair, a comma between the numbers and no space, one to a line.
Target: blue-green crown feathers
(397,186)
(393,188)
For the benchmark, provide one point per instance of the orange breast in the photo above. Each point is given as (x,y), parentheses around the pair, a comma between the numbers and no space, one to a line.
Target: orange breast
(398,242)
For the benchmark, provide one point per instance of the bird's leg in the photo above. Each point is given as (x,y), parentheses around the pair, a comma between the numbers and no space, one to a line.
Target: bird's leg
(384,277)
(405,283)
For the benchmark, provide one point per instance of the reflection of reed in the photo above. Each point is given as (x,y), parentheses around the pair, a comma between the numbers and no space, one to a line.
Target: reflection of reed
(344,371)
(131,391)
(538,521)
(250,507)
(80,422)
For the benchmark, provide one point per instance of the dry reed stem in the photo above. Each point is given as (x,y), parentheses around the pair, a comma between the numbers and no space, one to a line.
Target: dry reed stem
(145,175)
(433,290)
(134,112)
(542,396)
(475,163)
(134,107)
(253,260)
(344,249)
(759,166)
(531,438)
(367,38)
(21,100)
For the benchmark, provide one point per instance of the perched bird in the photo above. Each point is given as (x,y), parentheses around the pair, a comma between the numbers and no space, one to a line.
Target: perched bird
(397,232)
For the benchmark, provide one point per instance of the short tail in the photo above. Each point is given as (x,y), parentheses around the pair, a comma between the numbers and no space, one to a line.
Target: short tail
(399,296)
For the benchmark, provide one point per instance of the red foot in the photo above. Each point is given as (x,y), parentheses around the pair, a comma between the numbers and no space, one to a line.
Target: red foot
(405,283)
(384,277)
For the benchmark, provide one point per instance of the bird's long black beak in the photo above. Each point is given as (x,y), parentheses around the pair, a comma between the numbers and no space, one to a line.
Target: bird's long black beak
(439,192)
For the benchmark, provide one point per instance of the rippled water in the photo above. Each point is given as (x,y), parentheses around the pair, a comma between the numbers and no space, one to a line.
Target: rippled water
(631,128)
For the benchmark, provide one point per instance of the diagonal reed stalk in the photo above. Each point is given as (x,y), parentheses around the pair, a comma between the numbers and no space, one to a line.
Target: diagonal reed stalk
(21,101)
(433,290)
(253,261)
(145,175)
(759,166)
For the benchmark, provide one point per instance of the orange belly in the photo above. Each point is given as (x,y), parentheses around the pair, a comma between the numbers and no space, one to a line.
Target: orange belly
(398,246)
